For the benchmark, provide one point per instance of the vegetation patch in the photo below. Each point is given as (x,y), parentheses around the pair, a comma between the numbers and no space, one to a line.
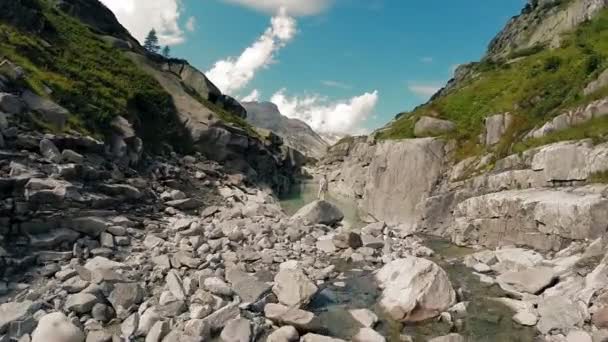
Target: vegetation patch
(536,87)
(93,80)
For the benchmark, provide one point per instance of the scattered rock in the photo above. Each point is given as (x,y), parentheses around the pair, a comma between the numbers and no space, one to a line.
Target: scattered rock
(56,327)
(319,212)
(415,289)
(293,288)
(237,330)
(368,335)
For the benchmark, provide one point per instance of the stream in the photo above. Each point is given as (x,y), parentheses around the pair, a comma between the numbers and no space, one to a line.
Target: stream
(485,319)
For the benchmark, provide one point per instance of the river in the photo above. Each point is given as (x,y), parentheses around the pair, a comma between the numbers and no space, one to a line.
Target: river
(485,319)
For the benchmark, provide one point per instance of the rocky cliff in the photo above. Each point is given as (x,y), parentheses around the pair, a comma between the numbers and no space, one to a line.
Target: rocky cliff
(295,133)
(71,51)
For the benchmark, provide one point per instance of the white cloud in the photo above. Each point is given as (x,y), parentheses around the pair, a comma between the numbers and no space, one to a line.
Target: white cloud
(233,74)
(140,16)
(424,90)
(254,96)
(426,60)
(345,117)
(335,84)
(191,24)
(293,7)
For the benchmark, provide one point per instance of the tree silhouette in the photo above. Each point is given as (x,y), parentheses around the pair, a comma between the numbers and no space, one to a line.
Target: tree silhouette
(167,51)
(151,42)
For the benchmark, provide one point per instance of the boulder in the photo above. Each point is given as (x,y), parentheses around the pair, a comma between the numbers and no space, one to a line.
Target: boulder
(50,151)
(284,334)
(496,127)
(217,286)
(175,285)
(319,338)
(49,111)
(368,335)
(533,280)
(320,212)
(448,338)
(56,327)
(11,104)
(249,288)
(427,126)
(81,303)
(92,226)
(283,315)
(236,330)
(600,318)
(125,297)
(13,311)
(293,288)
(366,317)
(346,240)
(559,313)
(414,289)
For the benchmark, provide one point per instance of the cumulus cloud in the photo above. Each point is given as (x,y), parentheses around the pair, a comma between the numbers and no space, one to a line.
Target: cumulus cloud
(424,90)
(254,96)
(335,84)
(234,73)
(140,16)
(342,117)
(293,7)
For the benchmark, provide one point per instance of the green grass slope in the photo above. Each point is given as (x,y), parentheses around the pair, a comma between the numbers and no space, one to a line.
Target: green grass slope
(535,84)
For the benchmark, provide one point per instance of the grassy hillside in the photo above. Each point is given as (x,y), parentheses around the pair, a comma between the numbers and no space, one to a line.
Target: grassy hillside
(94,81)
(534,84)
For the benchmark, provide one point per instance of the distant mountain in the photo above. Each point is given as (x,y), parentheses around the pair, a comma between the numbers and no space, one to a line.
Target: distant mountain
(296,133)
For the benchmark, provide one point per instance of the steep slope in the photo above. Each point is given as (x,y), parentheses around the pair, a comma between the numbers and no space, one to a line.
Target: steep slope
(75,52)
(296,133)
(523,74)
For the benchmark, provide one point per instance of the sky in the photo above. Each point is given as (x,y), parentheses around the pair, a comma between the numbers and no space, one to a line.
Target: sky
(343,66)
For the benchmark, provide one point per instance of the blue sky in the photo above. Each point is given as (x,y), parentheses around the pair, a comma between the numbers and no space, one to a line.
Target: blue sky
(341,65)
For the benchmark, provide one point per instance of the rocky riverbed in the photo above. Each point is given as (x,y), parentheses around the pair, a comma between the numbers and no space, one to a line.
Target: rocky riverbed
(178,249)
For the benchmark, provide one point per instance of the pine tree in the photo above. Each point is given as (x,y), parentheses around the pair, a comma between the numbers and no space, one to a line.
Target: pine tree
(151,42)
(167,51)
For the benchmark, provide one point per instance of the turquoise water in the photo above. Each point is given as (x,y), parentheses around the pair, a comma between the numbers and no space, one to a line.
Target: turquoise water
(306,192)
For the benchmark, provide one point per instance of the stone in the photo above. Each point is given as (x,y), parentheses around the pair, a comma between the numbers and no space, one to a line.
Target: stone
(159,330)
(310,337)
(533,280)
(152,241)
(75,285)
(53,238)
(102,312)
(284,334)
(49,151)
(198,328)
(81,303)
(49,111)
(368,335)
(13,311)
(448,338)
(578,336)
(370,241)
(427,126)
(366,317)
(326,245)
(217,286)
(319,212)
(147,320)
(283,315)
(72,157)
(237,330)
(186,204)
(106,240)
(125,297)
(99,336)
(249,288)
(346,240)
(559,313)
(92,226)
(217,320)
(600,318)
(293,288)
(56,327)
(129,326)
(100,263)
(525,318)
(175,285)
(496,126)
(11,104)
(414,289)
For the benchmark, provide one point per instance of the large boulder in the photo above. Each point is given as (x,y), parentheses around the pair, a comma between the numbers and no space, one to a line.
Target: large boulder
(414,289)
(496,127)
(427,126)
(320,212)
(49,111)
(11,104)
(293,288)
(56,327)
